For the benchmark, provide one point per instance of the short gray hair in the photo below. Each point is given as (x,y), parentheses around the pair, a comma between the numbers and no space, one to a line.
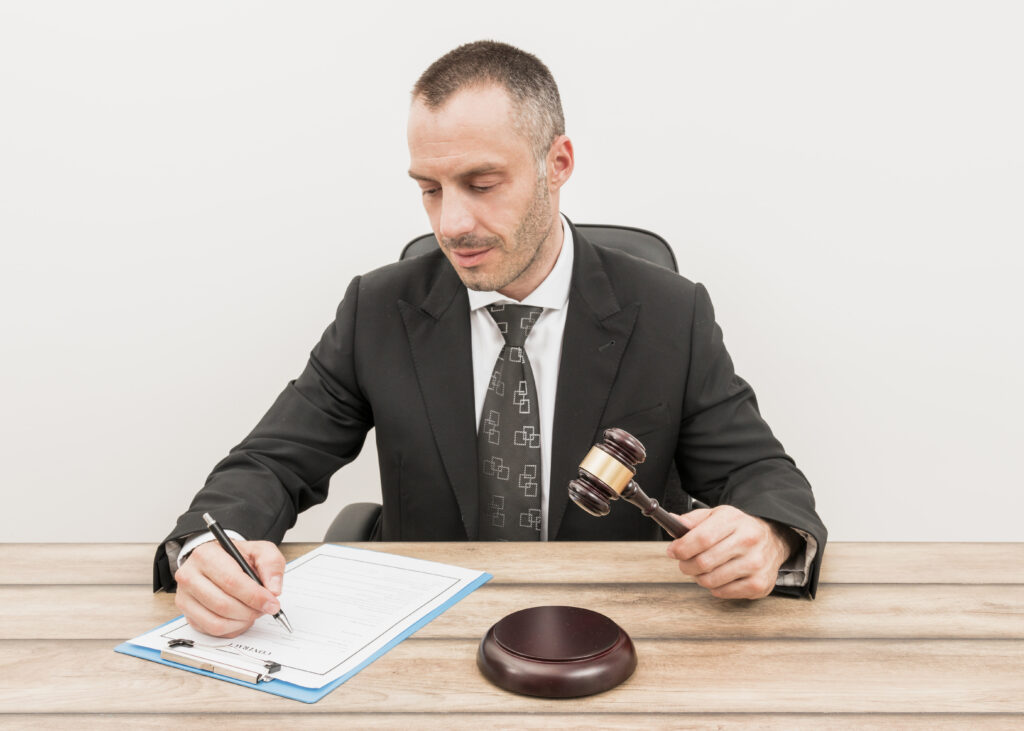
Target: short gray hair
(529,84)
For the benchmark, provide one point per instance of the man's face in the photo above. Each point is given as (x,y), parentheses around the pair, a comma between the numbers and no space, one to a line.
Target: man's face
(489,205)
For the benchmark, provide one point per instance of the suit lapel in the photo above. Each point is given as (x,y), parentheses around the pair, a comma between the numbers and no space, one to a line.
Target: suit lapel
(439,338)
(597,331)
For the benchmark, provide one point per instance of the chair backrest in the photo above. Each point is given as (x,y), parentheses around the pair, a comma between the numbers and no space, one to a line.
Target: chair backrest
(642,244)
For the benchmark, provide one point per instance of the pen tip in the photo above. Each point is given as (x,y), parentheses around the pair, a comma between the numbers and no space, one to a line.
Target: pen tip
(209,521)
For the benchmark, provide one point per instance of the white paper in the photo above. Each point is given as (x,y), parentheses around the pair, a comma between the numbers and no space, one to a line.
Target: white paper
(345,605)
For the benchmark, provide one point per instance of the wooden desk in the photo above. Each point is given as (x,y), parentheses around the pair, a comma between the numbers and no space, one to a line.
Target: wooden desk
(902,636)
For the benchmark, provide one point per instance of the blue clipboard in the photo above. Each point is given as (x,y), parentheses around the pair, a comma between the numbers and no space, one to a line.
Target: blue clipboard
(298,692)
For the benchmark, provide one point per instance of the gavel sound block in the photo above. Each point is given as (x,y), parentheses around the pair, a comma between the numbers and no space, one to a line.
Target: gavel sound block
(556,652)
(607,473)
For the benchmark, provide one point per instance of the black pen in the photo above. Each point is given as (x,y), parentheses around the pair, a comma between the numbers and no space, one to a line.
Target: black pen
(227,545)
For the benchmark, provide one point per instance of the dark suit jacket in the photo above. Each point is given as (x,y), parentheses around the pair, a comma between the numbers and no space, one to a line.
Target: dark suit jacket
(641,351)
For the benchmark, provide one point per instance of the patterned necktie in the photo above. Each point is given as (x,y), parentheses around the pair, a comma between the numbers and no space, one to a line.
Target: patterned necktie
(508,443)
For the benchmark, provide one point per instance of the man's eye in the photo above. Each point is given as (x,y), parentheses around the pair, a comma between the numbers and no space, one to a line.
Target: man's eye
(431,191)
(481,188)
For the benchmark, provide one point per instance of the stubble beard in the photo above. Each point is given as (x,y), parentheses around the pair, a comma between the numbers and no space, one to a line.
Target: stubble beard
(532,231)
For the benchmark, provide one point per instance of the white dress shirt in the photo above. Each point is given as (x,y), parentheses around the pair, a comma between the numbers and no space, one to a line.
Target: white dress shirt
(543,348)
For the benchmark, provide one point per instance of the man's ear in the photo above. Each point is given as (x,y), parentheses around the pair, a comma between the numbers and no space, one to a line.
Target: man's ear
(560,162)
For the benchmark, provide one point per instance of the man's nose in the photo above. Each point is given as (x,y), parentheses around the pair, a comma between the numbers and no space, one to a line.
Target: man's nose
(456,218)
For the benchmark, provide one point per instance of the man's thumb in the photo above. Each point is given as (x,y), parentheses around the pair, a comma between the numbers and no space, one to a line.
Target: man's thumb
(694,518)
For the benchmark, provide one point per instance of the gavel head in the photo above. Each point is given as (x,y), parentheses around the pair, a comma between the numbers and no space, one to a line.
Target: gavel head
(606,471)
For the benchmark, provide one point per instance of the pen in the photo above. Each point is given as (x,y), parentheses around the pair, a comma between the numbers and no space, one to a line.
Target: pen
(227,545)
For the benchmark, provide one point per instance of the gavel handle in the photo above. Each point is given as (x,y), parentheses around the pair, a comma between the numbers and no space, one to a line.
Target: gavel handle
(650,507)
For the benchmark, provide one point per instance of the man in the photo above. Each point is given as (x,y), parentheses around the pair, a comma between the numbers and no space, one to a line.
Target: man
(417,352)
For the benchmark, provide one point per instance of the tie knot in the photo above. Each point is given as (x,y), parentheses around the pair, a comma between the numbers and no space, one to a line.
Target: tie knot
(515,321)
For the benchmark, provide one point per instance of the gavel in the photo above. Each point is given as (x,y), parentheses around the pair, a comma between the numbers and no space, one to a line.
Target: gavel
(607,473)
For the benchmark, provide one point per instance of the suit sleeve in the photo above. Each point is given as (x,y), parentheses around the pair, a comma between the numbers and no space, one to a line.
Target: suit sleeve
(727,454)
(317,425)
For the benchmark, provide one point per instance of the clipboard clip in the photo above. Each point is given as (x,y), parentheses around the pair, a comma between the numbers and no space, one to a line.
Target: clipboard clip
(256,672)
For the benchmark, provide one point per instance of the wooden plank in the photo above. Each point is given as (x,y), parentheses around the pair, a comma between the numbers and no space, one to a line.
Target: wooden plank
(90,563)
(475,721)
(612,562)
(673,611)
(435,676)
(921,563)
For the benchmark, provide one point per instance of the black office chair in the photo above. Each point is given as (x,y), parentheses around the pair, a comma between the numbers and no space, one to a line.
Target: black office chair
(361,521)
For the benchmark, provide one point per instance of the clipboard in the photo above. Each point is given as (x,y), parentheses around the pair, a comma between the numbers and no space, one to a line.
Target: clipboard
(259,675)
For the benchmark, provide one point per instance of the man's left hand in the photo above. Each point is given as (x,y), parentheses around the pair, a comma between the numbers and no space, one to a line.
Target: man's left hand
(735,555)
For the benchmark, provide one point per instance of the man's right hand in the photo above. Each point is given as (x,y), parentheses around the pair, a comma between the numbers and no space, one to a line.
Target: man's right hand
(216,596)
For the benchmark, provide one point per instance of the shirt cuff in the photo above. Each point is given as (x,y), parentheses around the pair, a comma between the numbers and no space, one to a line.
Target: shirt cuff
(177,553)
(797,569)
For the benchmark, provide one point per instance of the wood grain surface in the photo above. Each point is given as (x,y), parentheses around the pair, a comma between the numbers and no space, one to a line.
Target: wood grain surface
(901,636)
(927,611)
(579,562)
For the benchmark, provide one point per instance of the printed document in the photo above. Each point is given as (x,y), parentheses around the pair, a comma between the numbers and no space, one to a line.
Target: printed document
(346,605)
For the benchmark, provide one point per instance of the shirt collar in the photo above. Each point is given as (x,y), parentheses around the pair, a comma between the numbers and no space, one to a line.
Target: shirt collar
(552,293)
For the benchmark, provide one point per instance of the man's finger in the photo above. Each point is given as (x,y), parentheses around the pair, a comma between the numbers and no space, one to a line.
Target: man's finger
(205,592)
(693,518)
(728,572)
(756,586)
(209,622)
(713,558)
(712,529)
(268,561)
(222,570)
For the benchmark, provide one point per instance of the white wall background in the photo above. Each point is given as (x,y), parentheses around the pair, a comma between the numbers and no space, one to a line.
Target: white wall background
(186,190)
